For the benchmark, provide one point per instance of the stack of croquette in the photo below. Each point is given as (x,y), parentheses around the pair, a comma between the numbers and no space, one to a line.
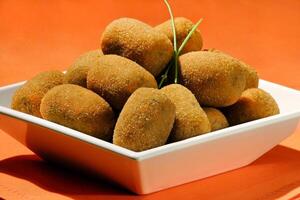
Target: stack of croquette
(112,93)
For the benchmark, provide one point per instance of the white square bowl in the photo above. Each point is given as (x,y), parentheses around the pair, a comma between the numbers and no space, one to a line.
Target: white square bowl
(162,167)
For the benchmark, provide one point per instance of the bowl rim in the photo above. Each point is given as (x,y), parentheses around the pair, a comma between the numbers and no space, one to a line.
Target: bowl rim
(164,149)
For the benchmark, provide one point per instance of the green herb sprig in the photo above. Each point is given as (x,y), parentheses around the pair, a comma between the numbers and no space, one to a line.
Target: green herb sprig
(176,51)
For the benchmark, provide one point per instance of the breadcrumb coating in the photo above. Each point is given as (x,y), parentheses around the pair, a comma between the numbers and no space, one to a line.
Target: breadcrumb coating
(254,104)
(77,72)
(215,79)
(115,78)
(216,118)
(28,98)
(190,119)
(145,121)
(79,108)
(251,74)
(182,26)
(139,42)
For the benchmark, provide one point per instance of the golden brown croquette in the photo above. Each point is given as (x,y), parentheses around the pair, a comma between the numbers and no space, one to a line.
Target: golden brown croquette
(215,79)
(139,42)
(252,78)
(145,121)
(77,72)
(251,74)
(190,119)
(79,108)
(116,78)
(182,26)
(253,104)
(216,118)
(28,97)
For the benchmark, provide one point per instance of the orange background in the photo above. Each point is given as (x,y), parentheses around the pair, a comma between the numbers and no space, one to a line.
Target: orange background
(41,35)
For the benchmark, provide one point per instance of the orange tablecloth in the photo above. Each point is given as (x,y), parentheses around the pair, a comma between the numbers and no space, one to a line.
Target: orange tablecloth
(42,35)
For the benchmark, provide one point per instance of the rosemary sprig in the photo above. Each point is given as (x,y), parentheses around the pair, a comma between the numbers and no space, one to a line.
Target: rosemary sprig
(176,52)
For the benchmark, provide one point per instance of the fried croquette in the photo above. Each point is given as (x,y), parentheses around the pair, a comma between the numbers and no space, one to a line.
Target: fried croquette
(79,108)
(182,26)
(116,78)
(139,42)
(254,104)
(145,121)
(190,119)
(216,118)
(252,78)
(28,98)
(77,72)
(215,79)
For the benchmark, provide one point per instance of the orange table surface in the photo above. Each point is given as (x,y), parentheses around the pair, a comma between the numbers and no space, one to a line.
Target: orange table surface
(42,35)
